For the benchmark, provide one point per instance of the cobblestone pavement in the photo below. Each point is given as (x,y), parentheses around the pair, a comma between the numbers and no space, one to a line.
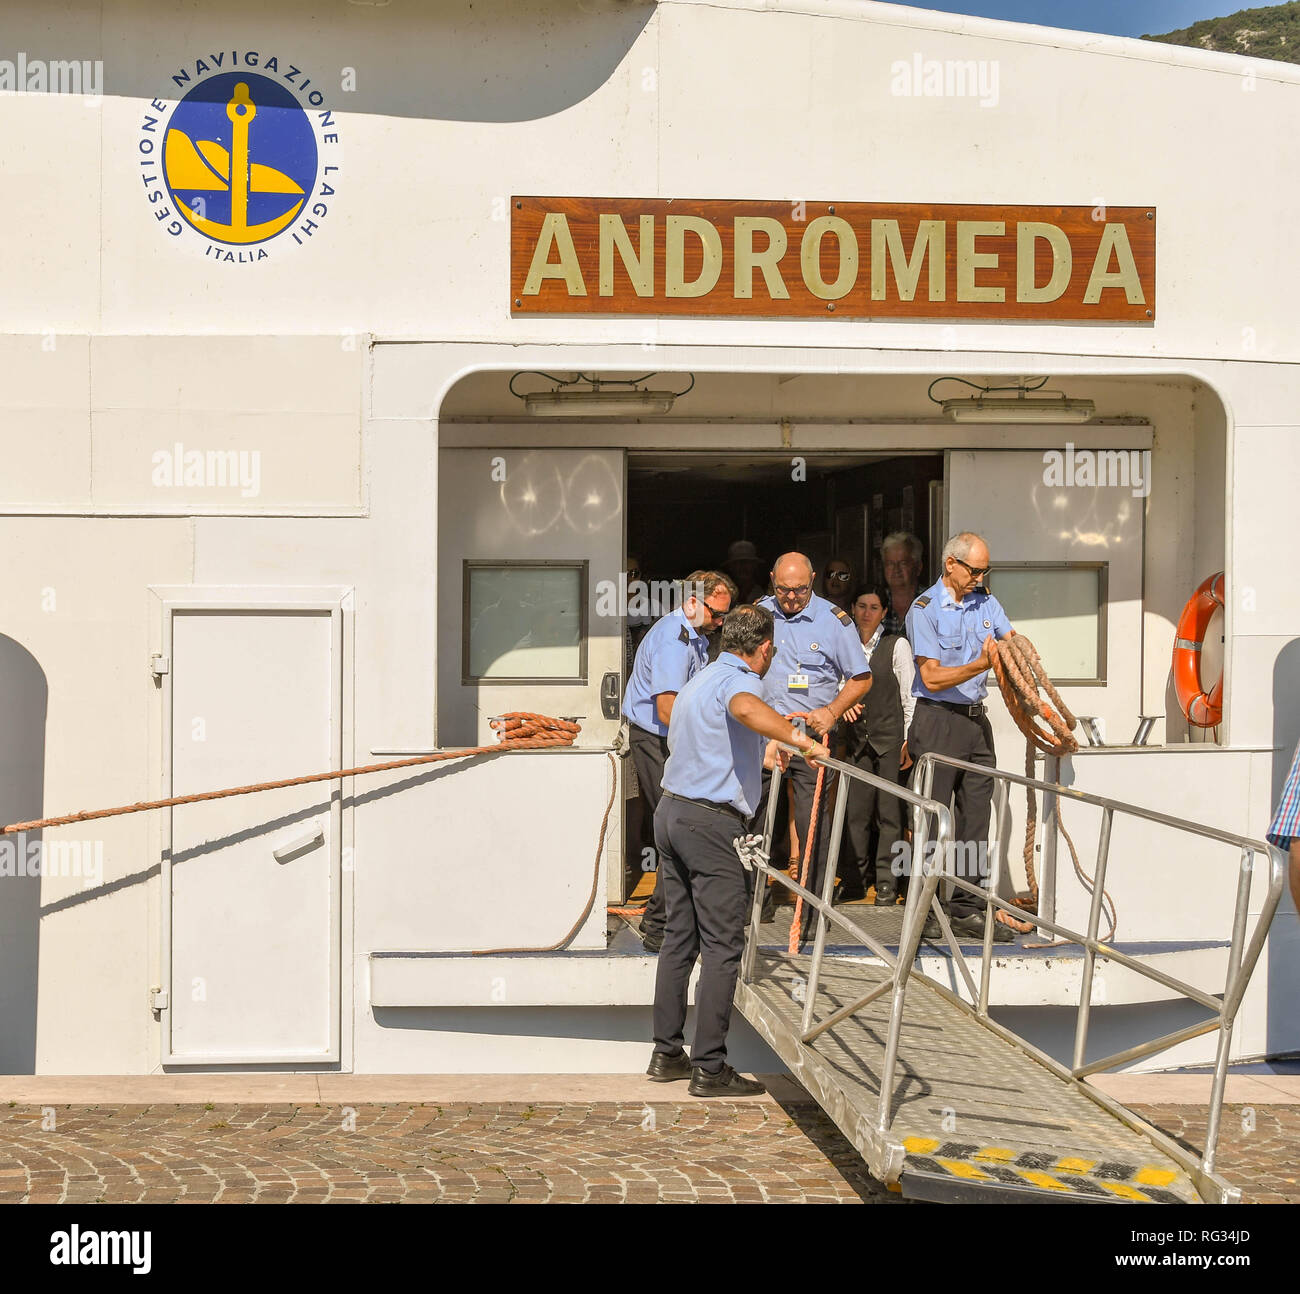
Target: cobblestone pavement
(1259,1146)
(596,1153)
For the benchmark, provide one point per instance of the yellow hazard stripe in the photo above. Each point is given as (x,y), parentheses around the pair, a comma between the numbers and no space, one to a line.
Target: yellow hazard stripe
(1076,1165)
(996,1154)
(1045,1180)
(968,1171)
(1125,1192)
(920,1145)
(1152,1176)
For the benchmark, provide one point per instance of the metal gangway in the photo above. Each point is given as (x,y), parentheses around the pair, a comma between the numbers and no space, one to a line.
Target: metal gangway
(945,1103)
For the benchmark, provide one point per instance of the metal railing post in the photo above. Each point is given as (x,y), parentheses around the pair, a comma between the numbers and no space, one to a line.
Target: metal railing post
(750,959)
(1089,955)
(827,895)
(1047,882)
(1001,792)
(1228,1013)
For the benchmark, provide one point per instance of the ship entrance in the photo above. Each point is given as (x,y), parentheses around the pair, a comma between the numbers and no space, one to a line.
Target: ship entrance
(689,511)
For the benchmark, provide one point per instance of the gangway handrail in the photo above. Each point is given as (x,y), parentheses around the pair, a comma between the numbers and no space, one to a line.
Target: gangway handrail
(924,897)
(1241,963)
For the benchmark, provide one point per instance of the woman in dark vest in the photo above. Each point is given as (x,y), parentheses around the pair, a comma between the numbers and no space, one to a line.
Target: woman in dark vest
(877,743)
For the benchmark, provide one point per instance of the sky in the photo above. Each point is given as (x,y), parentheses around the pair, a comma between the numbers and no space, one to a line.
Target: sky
(1115,17)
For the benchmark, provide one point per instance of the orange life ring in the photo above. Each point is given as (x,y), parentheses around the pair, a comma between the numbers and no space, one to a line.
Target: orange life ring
(1202,710)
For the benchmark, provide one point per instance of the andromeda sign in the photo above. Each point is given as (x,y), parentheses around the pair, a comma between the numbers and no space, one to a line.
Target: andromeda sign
(855,260)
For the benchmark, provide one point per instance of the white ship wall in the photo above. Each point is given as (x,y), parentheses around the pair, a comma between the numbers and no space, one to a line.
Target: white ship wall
(117,343)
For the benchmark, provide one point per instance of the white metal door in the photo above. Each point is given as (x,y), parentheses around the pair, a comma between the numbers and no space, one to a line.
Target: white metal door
(251,883)
(530,556)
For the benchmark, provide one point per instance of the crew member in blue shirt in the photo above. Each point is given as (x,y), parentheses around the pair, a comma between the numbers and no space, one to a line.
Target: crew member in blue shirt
(817,648)
(674,650)
(721,735)
(951,627)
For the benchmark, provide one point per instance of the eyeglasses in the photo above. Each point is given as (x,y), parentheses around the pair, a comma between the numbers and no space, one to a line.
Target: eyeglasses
(979,572)
(838,575)
(798,592)
(715,613)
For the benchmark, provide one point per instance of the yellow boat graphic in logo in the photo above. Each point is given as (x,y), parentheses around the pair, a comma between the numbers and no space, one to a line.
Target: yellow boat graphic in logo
(202,167)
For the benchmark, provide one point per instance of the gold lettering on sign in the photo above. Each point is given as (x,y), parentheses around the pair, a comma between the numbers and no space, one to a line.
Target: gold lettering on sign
(1028,232)
(768,260)
(555,233)
(640,265)
(675,284)
(1114,238)
(810,257)
(886,240)
(969,260)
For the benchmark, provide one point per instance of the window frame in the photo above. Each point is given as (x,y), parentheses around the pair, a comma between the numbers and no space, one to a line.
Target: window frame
(1103,604)
(581,564)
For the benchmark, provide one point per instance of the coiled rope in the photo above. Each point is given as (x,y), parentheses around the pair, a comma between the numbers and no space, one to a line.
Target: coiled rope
(1021,677)
(517,730)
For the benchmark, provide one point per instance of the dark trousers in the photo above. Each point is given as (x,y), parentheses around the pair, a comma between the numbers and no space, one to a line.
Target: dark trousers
(708,900)
(948,733)
(649,751)
(803,780)
(868,807)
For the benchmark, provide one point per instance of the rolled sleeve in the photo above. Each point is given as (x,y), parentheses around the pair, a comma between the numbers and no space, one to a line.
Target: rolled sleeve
(849,656)
(923,634)
(671,668)
(1001,625)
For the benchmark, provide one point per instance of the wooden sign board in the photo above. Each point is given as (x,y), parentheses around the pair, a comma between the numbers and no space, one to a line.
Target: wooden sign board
(840,260)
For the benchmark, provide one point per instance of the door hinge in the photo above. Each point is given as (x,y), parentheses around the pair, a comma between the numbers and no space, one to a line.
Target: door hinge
(158,999)
(159,664)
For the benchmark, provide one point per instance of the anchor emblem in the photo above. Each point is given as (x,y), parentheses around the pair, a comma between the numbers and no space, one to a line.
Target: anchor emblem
(203,165)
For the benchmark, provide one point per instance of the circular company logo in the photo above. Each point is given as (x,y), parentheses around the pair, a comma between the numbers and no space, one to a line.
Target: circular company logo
(248,157)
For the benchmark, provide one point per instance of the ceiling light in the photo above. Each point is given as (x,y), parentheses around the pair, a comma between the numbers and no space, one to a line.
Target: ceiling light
(592,397)
(1018,409)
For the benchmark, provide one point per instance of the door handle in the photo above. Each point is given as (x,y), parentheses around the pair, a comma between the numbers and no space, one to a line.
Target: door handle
(609,696)
(299,844)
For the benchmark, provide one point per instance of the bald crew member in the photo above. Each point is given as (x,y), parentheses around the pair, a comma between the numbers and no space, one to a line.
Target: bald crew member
(721,735)
(818,669)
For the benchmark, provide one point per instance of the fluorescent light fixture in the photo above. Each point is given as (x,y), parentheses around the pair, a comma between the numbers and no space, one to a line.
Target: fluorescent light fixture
(985,408)
(598,403)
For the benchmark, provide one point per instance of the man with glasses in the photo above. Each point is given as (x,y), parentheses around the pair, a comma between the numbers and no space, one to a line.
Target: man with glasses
(900,558)
(816,650)
(674,650)
(951,627)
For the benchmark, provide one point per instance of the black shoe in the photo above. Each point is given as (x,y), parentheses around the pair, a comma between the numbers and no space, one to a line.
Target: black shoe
(667,1069)
(972,927)
(653,941)
(768,911)
(931,932)
(886,896)
(726,1082)
(847,894)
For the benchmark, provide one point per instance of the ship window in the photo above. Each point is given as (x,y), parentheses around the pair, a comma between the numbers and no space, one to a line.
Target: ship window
(1061,608)
(524,621)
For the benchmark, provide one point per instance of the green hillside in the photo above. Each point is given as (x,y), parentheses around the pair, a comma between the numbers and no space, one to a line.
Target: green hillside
(1270,32)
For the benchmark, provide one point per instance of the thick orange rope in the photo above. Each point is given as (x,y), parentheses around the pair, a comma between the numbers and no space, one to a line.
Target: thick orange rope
(520,729)
(796,922)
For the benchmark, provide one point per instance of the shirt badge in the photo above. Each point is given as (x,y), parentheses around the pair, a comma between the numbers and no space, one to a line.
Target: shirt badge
(814,646)
(987,625)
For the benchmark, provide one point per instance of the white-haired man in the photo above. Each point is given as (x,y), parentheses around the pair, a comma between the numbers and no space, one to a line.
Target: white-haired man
(900,558)
(951,627)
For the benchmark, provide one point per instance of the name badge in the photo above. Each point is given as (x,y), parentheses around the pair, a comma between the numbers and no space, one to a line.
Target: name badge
(798,682)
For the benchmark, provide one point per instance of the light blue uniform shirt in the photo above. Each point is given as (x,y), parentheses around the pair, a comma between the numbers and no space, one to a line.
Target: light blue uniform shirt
(953,633)
(815,650)
(670,654)
(710,755)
